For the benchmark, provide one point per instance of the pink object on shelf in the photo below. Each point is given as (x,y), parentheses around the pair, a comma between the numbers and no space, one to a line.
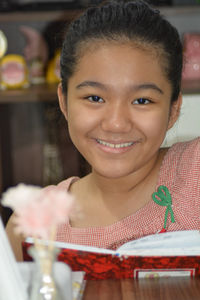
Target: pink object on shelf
(191,68)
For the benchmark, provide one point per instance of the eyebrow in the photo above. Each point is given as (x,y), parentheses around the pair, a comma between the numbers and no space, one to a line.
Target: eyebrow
(147,86)
(135,87)
(89,83)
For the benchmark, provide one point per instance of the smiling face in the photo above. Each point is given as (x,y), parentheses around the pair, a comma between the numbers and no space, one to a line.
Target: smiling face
(118,108)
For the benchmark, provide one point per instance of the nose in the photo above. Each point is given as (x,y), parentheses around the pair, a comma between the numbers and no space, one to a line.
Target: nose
(117,119)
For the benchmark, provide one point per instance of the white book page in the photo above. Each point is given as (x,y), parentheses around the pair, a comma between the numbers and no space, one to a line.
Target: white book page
(185,242)
(11,282)
(75,246)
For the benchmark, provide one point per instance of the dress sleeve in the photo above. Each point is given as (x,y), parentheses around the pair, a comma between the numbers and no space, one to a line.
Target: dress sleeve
(188,172)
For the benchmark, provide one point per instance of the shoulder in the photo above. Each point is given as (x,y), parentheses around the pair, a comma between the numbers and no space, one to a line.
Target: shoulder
(184,147)
(181,165)
(68,182)
(185,154)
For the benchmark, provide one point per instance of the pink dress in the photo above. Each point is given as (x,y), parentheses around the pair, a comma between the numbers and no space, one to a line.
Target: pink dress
(180,172)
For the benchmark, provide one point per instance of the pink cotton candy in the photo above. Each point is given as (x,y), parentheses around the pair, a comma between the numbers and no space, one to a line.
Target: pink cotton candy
(43,211)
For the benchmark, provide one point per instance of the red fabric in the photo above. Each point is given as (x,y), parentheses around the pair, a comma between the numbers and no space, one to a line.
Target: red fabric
(106,266)
(180,172)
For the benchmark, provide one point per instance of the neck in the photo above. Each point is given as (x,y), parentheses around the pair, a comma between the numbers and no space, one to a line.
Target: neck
(115,187)
(104,201)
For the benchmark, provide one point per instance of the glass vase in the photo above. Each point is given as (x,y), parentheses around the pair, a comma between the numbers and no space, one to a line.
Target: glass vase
(43,285)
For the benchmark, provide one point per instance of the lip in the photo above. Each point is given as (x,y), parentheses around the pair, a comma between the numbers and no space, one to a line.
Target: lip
(115,146)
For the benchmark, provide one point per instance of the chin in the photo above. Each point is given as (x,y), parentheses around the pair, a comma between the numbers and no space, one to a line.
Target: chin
(112,174)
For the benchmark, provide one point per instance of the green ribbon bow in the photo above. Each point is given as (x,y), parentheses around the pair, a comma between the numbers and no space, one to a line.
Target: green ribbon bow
(165,200)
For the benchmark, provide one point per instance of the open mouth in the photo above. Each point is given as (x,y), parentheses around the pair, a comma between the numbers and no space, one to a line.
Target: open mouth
(116,145)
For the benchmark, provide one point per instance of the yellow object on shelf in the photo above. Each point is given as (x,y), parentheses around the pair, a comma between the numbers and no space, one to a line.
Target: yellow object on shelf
(53,69)
(3,44)
(13,72)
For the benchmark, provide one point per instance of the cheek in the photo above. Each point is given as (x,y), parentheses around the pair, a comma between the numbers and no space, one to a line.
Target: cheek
(80,122)
(155,126)
(75,131)
(75,125)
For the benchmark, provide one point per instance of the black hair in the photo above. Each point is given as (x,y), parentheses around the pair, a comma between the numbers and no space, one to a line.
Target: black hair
(135,21)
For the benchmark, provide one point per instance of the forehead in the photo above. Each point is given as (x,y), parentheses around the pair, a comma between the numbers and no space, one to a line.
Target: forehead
(102,49)
(119,66)
(86,48)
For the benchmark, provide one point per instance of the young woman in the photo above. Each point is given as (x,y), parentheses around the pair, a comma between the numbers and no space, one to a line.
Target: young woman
(121,67)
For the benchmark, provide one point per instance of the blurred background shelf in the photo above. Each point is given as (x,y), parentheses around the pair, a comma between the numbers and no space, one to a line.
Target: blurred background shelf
(48,93)
(70,14)
(180,10)
(191,87)
(39,16)
(35,93)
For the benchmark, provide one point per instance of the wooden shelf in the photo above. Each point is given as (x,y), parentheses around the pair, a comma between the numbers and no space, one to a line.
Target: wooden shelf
(37,93)
(70,14)
(180,10)
(191,87)
(39,16)
(48,93)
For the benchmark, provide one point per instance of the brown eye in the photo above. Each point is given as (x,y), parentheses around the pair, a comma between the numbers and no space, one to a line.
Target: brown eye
(95,99)
(141,101)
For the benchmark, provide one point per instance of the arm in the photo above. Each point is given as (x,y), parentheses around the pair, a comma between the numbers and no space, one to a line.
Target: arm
(15,240)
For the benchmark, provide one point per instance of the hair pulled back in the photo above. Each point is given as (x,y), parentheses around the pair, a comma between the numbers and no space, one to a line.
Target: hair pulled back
(135,21)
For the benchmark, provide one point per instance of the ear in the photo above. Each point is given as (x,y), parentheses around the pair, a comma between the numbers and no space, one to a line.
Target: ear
(175,111)
(62,100)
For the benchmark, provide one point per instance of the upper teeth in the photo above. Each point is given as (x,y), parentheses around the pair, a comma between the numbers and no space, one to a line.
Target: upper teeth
(114,145)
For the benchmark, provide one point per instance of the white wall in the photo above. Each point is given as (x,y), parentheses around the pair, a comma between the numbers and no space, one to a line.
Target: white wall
(188,125)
